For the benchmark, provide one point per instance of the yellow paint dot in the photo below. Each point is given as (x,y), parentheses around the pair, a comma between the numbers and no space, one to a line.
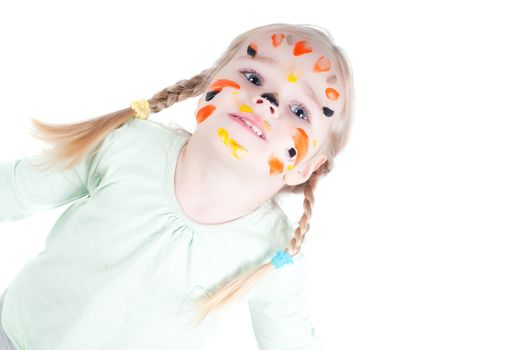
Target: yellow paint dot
(235,146)
(314,142)
(289,167)
(267,126)
(245,108)
(291,78)
(224,135)
(235,92)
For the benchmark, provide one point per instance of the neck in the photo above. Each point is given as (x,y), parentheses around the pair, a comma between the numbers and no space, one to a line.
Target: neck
(209,191)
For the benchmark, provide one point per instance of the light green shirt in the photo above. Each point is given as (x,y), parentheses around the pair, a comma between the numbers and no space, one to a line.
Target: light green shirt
(123,263)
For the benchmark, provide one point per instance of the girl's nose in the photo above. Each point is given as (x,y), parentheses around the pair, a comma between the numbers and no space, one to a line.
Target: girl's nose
(268,104)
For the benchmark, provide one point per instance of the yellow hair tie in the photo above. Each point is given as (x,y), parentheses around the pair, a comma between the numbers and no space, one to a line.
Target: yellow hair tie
(141,108)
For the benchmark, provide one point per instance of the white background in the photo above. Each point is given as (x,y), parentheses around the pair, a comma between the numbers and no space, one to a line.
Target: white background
(417,238)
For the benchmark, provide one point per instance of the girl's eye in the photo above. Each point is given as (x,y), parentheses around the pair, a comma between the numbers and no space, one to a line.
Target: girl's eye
(252,76)
(301,111)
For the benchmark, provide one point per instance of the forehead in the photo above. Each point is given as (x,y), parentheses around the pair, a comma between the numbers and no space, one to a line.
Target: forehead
(278,47)
(302,62)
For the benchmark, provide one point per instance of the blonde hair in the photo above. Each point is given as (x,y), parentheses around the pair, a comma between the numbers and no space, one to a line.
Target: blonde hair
(74,141)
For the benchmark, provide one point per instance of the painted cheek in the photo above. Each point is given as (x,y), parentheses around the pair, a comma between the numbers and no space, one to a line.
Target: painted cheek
(301,144)
(230,143)
(217,86)
(204,113)
(221,83)
(275,166)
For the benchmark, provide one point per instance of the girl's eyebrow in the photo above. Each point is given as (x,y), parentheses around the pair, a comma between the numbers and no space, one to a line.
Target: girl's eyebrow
(259,58)
(310,92)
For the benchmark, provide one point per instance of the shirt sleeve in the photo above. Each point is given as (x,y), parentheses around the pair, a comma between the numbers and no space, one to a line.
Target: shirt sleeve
(280,313)
(25,189)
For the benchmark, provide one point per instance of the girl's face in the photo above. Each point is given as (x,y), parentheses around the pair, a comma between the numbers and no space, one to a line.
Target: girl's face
(287,90)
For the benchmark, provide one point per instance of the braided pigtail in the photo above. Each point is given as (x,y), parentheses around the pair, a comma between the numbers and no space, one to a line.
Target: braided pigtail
(74,141)
(245,281)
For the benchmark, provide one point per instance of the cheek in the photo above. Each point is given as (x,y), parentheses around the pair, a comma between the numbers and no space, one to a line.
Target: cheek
(214,89)
(301,144)
(301,141)
(231,144)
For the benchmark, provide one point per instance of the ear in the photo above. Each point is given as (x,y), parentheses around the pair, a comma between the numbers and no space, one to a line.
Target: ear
(301,174)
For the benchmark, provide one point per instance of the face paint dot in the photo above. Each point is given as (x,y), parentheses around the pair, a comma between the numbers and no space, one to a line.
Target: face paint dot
(245,108)
(332,79)
(277,39)
(235,92)
(223,135)
(252,49)
(204,113)
(222,83)
(328,112)
(210,95)
(322,65)
(267,126)
(314,142)
(292,152)
(259,100)
(275,166)
(301,48)
(292,78)
(290,167)
(301,143)
(289,39)
(271,97)
(235,146)
(332,94)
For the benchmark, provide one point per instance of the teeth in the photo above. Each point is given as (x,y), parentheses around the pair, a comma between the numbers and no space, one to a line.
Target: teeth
(254,128)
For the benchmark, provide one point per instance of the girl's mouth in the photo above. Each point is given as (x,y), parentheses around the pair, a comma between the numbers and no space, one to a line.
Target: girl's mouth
(248,125)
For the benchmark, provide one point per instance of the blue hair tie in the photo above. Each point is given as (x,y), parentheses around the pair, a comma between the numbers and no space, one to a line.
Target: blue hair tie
(281,258)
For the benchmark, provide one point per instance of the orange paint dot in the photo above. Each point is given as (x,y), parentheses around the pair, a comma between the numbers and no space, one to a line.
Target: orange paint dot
(322,65)
(221,83)
(205,112)
(332,94)
(301,144)
(275,166)
(301,47)
(254,47)
(277,39)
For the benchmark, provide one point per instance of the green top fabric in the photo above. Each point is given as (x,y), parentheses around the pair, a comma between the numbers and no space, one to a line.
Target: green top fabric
(123,263)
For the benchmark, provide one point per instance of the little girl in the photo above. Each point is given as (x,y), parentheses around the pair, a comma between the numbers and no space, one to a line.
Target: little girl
(168,226)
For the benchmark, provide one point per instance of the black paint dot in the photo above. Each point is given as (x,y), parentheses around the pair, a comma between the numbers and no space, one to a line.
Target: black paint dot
(210,95)
(250,51)
(292,152)
(328,112)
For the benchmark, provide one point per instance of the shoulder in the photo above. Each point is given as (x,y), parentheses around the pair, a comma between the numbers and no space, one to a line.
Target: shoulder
(138,135)
(141,129)
(283,227)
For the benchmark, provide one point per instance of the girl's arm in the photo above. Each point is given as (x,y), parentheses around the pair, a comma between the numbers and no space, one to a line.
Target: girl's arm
(280,314)
(24,189)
